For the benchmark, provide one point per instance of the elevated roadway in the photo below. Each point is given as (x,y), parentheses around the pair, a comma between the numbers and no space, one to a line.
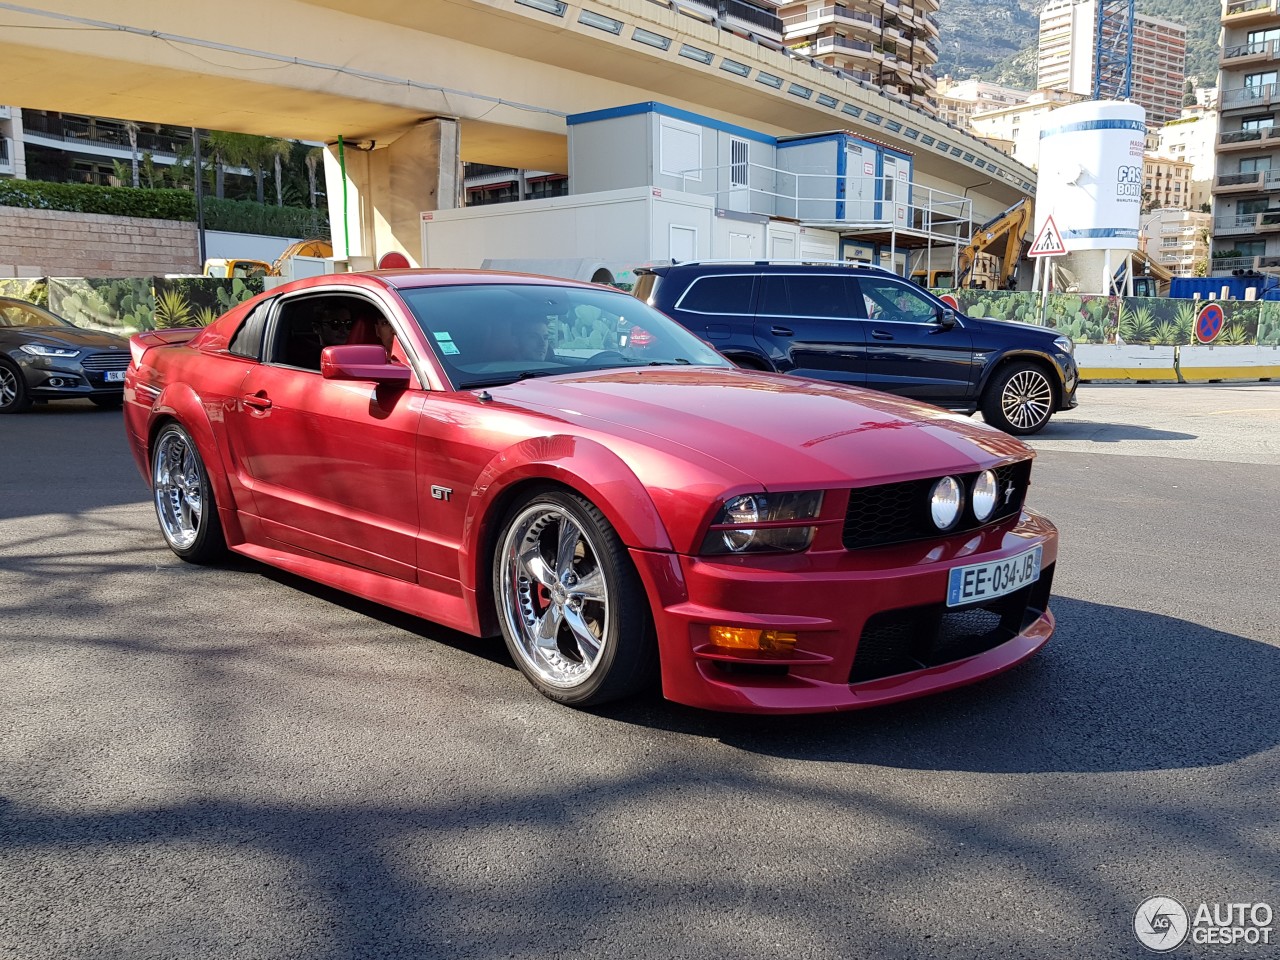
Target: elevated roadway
(411,89)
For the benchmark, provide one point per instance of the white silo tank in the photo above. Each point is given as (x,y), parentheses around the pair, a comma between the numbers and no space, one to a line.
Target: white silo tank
(1090,182)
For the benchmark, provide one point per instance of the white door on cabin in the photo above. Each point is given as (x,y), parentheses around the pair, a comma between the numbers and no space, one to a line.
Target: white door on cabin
(896,191)
(683,243)
(741,246)
(782,247)
(859,182)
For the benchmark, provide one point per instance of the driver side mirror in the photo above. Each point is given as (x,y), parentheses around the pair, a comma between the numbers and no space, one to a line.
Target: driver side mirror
(946,318)
(362,361)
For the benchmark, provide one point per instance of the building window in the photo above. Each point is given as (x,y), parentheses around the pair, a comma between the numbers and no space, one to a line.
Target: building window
(738,165)
(1255,164)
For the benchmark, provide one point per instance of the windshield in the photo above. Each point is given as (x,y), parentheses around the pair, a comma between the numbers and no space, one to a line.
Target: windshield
(15,313)
(495,333)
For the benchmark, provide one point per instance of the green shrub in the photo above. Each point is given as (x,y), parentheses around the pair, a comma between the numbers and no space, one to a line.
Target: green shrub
(89,198)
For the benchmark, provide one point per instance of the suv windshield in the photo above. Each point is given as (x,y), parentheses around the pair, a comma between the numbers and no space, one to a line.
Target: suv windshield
(494,333)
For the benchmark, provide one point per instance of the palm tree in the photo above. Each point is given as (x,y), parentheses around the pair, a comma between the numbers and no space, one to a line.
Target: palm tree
(278,150)
(314,156)
(224,151)
(131,128)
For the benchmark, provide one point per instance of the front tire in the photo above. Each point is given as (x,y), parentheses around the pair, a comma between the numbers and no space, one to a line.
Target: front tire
(183,497)
(573,612)
(1019,400)
(14,395)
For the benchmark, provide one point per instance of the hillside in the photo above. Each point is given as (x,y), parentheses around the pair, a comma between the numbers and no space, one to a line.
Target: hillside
(996,39)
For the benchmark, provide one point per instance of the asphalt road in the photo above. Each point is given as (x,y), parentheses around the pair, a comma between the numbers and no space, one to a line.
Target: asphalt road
(230,763)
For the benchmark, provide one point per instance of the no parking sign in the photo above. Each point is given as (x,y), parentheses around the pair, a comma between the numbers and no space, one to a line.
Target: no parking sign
(1209,322)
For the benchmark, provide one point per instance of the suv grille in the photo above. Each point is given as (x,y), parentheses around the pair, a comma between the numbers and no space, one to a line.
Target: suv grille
(899,641)
(899,512)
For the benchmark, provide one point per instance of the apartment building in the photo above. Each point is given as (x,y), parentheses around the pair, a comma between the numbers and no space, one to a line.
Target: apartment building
(1166,183)
(13,162)
(889,44)
(1193,138)
(1178,240)
(1246,188)
(959,100)
(1068,44)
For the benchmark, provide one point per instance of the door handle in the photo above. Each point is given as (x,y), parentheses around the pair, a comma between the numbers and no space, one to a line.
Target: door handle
(259,401)
(782,331)
(881,335)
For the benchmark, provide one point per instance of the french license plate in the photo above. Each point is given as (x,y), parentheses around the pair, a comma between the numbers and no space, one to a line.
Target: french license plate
(984,581)
(114,376)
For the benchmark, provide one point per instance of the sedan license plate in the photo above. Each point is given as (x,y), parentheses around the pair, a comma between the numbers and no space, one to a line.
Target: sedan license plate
(114,376)
(984,581)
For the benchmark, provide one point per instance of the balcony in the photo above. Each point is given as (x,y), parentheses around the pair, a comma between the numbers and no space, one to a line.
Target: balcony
(1248,53)
(1248,12)
(1248,98)
(1238,183)
(102,134)
(1267,221)
(821,46)
(802,24)
(754,20)
(6,112)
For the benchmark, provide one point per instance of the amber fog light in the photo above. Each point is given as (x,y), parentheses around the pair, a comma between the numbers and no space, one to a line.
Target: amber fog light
(747,638)
(985,493)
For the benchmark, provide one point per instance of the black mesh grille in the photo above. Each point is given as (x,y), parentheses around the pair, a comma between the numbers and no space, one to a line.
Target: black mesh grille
(899,512)
(899,641)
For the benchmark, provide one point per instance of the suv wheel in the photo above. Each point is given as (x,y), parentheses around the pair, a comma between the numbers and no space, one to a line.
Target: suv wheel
(1019,400)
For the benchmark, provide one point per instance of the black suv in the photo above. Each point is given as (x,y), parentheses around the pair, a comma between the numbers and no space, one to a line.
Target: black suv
(865,326)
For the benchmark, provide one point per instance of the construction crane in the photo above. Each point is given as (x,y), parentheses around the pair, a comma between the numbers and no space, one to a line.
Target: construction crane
(1002,236)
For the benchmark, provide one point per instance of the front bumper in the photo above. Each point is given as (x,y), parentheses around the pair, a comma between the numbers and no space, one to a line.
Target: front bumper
(872,624)
(65,378)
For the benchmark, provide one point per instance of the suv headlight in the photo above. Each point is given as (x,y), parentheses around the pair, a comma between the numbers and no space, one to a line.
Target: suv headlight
(764,522)
(1065,344)
(44,350)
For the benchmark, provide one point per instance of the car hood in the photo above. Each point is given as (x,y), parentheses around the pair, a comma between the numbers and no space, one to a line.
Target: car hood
(72,337)
(773,429)
(1015,327)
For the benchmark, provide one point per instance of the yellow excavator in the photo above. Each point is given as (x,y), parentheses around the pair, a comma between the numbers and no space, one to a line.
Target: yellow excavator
(234,267)
(1002,236)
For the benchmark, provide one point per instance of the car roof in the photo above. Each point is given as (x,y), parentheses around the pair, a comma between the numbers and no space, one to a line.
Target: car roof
(410,278)
(757,266)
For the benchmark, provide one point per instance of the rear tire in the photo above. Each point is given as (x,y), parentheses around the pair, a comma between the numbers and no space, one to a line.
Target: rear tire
(1020,400)
(571,606)
(183,497)
(14,395)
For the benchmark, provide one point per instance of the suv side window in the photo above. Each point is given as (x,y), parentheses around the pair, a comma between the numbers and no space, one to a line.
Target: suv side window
(895,302)
(727,294)
(808,295)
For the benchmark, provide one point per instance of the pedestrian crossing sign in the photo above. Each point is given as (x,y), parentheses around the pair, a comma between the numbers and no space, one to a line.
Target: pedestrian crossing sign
(1048,241)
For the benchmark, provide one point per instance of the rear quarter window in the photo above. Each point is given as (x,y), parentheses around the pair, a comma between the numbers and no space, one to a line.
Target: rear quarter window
(732,294)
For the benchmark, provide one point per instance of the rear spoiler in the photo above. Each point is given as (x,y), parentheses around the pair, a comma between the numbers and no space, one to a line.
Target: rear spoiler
(140,343)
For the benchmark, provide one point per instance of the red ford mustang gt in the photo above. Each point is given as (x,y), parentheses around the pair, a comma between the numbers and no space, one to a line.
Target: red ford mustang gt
(560,463)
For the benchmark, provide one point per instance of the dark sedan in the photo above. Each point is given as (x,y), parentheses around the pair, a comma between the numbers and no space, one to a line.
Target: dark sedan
(43,357)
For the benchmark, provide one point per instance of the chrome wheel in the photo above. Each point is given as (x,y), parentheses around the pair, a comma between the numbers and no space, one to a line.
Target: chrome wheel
(554,595)
(178,480)
(1020,399)
(13,389)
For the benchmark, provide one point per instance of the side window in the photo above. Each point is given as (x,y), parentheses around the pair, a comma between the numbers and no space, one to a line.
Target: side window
(727,294)
(821,295)
(306,325)
(247,341)
(894,301)
(773,296)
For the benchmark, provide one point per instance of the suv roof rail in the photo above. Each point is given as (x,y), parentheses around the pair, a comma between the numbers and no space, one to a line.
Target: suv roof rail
(801,261)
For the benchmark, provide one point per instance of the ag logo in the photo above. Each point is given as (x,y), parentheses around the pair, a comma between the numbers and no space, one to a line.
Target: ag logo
(1161,924)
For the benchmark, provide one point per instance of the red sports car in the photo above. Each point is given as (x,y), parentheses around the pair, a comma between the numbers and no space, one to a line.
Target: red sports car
(560,463)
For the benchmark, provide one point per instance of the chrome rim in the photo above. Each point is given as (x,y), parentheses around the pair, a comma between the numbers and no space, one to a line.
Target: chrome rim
(1027,399)
(8,386)
(555,598)
(177,483)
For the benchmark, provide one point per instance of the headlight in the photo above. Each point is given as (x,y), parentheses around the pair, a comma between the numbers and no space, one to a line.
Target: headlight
(735,529)
(985,493)
(43,350)
(945,501)
(1065,344)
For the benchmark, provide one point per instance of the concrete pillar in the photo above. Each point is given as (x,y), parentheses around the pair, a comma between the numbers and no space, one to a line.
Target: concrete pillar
(387,188)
